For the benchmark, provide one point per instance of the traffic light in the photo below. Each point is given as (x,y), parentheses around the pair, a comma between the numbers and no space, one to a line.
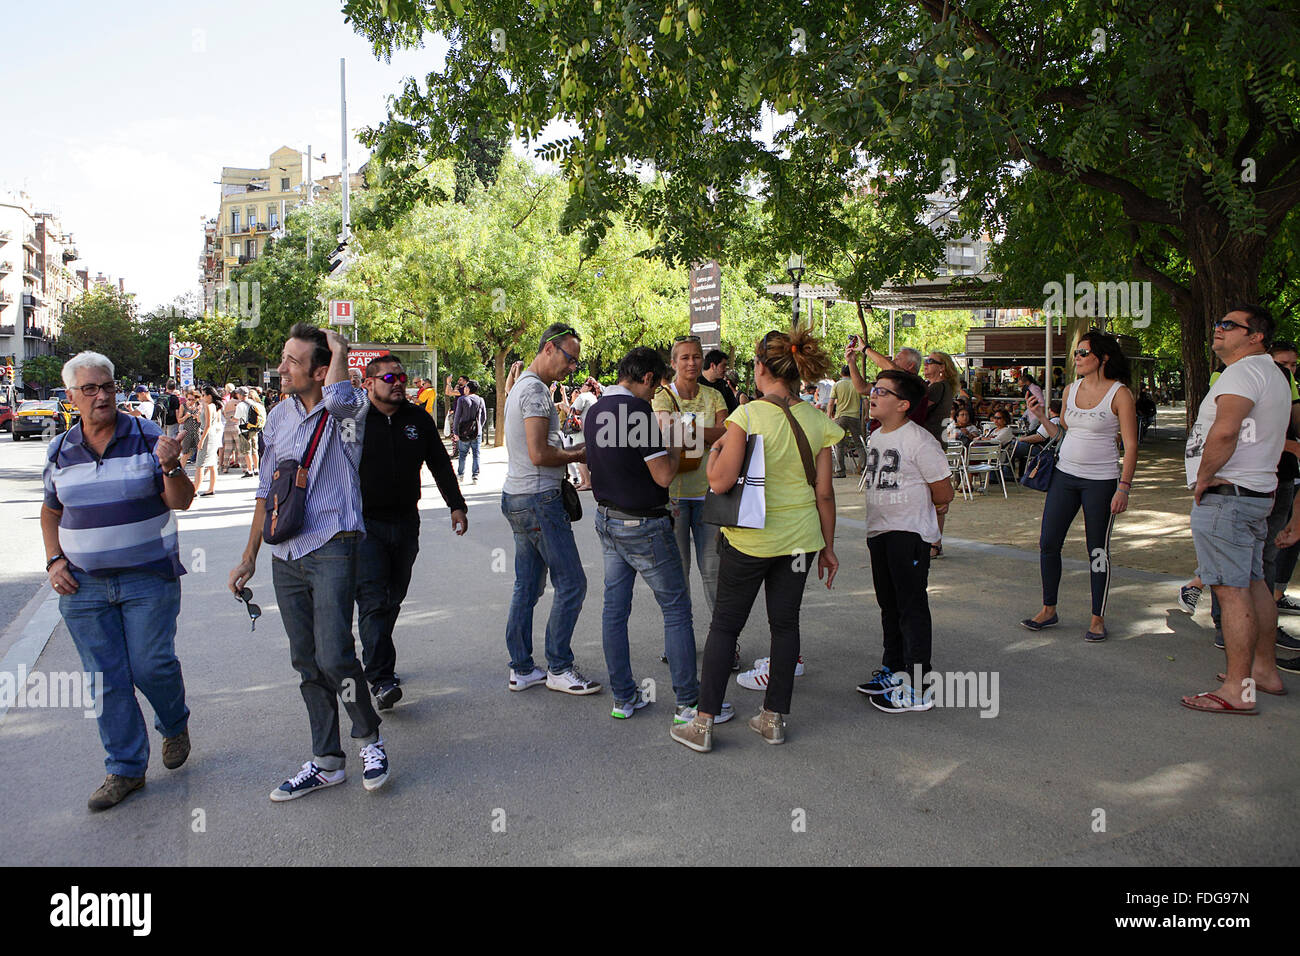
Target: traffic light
(340,260)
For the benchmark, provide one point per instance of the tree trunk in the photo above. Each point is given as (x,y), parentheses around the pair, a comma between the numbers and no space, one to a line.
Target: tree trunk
(499,367)
(1225,273)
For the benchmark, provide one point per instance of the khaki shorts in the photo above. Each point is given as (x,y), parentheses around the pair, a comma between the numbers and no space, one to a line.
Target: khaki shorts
(243,443)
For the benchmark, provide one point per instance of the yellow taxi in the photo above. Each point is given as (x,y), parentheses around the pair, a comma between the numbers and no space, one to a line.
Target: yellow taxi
(43,418)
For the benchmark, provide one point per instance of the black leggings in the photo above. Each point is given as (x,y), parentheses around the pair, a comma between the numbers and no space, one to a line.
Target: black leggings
(739,577)
(1064,497)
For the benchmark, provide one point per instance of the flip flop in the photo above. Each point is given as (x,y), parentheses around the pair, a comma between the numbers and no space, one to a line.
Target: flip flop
(1223,679)
(1223,708)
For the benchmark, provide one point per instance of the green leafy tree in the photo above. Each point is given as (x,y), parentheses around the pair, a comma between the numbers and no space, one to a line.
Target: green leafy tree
(1170,128)
(104,321)
(43,371)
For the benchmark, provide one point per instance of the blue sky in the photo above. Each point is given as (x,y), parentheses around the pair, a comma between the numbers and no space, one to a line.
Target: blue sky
(119,116)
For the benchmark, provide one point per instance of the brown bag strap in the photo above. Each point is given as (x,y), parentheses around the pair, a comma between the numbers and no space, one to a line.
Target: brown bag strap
(800,439)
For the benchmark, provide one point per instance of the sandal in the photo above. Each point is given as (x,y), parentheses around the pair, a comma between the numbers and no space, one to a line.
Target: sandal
(936,550)
(1223,707)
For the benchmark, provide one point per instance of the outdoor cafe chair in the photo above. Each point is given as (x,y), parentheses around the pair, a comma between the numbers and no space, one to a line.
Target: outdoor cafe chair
(983,458)
(956,454)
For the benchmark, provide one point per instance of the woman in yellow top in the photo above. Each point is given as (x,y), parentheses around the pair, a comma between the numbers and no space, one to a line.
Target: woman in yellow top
(800,522)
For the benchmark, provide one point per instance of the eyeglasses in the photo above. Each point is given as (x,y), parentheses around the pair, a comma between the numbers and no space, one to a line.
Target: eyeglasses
(1224,324)
(254,611)
(573,361)
(685,338)
(92,389)
(931,361)
(881,390)
(1082,353)
(391,377)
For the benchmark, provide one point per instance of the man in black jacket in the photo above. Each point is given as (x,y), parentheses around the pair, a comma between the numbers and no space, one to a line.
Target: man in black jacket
(397,437)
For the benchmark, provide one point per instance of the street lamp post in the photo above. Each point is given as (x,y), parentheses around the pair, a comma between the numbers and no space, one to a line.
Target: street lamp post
(795,268)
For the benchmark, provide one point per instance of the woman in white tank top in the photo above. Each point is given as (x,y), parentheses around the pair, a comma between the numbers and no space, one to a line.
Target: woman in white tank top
(1098,410)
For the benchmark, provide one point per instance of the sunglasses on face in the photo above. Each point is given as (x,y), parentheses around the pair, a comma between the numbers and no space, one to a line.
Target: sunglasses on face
(931,361)
(254,611)
(391,377)
(1223,325)
(686,338)
(1082,353)
(573,361)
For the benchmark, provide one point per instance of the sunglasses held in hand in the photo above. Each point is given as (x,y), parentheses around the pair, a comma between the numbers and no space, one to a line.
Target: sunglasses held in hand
(254,611)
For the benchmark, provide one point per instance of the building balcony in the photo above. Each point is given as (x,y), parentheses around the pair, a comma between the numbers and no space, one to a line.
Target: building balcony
(6,330)
(31,300)
(5,299)
(29,241)
(5,236)
(31,270)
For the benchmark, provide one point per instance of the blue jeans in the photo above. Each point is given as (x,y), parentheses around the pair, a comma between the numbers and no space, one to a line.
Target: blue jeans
(124,627)
(463,449)
(646,547)
(543,539)
(689,518)
(315,594)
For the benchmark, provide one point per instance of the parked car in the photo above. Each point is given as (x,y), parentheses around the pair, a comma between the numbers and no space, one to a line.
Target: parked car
(6,416)
(49,417)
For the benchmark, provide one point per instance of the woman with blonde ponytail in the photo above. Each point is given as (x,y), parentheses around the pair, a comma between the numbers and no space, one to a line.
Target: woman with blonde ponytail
(800,522)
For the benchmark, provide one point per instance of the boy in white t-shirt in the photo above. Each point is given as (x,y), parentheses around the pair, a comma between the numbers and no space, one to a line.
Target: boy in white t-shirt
(908,485)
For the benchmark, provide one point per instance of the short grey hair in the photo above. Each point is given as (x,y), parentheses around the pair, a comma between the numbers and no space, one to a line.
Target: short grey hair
(908,356)
(84,360)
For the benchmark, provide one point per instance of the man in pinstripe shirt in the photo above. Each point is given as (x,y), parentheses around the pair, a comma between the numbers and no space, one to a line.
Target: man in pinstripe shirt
(315,572)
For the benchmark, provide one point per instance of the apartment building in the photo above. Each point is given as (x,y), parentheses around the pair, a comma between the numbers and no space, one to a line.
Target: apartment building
(254,203)
(36,284)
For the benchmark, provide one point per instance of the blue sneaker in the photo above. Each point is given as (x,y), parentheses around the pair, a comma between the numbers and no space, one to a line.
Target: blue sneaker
(902,700)
(376,763)
(882,682)
(1218,638)
(308,780)
(1285,642)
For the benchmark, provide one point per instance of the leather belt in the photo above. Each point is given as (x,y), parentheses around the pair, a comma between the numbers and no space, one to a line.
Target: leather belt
(1236,491)
(631,519)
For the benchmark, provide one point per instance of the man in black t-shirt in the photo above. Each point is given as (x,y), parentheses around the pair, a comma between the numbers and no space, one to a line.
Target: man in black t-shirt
(714,375)
(631,469)
(171,404)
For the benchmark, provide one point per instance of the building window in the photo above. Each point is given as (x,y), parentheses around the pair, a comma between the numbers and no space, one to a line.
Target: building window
(252,217)
(272,216)
(250,248)
(284,184)
(234,220)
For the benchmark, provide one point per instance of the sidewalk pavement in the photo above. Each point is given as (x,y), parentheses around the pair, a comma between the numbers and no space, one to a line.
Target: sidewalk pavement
(1089,760)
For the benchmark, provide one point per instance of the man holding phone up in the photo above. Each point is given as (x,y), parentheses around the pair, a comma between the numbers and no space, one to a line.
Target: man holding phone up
(396,437)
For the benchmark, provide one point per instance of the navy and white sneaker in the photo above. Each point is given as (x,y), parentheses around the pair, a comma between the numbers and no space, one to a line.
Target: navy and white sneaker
(375,761)
(1284,603)
(1285,642)
(308,780)
(902,700)
(571,681)
(1188,595)
(1218,638)
(882,682)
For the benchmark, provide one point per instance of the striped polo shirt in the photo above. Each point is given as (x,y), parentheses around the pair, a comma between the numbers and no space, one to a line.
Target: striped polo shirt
(113,515)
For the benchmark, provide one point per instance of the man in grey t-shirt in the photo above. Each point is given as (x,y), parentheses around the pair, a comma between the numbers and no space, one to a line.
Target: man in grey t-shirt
(532,503)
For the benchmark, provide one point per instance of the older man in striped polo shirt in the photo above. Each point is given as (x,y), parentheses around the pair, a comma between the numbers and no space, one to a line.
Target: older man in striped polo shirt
(315,571)
(111,484)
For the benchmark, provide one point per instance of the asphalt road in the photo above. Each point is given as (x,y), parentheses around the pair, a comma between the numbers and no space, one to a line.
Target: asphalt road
(1089,760)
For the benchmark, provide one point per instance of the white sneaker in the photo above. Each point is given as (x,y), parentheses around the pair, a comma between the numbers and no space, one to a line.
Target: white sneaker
(685,715)
(757,678)
(520,681)
(571,682)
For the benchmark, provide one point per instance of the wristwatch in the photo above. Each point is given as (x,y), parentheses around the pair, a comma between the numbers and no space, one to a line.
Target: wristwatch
(178,470)
(58,557)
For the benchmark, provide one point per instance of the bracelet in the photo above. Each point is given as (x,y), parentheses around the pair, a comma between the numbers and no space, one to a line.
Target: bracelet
(1126,484)
(58,557)
(1121,491)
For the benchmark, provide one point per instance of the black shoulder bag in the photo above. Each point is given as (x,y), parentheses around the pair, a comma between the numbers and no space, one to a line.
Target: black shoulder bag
(286,502)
